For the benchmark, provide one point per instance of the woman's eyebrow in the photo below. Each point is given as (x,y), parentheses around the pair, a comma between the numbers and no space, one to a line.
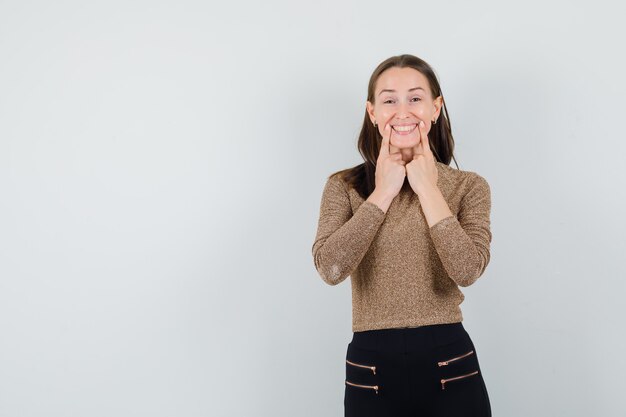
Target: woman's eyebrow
(410,89)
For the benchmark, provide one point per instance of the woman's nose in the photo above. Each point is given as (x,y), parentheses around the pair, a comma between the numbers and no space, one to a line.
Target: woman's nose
(403,110)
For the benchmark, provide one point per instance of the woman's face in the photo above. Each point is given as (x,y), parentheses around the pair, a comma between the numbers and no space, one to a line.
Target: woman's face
(403,98)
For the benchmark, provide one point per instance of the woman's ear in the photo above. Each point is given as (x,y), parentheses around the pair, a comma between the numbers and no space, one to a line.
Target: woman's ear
(370,110)
(437,104)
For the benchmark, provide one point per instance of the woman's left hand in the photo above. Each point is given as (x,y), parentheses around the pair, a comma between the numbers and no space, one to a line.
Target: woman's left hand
(422,170)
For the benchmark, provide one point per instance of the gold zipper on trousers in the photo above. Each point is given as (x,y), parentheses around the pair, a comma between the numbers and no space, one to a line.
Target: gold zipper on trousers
(443,363)
(374,387)
(443,381)
(373,368)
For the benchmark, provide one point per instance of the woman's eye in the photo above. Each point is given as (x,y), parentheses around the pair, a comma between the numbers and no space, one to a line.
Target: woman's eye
(391,101)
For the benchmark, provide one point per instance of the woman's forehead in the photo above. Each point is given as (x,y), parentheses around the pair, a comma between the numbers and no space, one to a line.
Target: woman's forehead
(401,80)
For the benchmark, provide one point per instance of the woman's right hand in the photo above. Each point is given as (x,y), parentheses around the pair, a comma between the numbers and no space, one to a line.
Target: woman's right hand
(390,170)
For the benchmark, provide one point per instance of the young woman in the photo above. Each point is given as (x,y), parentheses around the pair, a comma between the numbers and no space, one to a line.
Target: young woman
(409,230)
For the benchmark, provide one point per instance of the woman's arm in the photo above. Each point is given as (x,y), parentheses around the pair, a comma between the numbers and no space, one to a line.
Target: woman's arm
(342,237)
(462,243)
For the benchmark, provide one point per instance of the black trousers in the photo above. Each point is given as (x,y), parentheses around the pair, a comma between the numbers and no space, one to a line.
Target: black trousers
(429,371)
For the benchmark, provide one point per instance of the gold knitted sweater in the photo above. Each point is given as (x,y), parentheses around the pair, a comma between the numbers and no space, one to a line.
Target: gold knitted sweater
(403,273)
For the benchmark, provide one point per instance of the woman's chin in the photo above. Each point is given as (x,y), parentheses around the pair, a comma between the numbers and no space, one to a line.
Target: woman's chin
(402,143)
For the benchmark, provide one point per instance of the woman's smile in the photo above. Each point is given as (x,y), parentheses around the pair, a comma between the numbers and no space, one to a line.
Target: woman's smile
(404,129)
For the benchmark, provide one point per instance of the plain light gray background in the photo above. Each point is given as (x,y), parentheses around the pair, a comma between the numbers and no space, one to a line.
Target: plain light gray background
(161,169)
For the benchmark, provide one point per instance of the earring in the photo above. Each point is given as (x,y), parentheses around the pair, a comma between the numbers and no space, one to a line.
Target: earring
(374,123)
(435,121)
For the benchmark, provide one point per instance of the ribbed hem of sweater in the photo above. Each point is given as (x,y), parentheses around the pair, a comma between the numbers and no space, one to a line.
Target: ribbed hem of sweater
(412,322)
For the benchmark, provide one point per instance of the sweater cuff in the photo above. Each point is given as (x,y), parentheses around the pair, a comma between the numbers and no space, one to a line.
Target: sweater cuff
(373,209)
(443,223)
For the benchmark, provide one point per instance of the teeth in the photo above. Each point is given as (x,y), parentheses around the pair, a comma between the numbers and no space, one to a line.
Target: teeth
(404,128)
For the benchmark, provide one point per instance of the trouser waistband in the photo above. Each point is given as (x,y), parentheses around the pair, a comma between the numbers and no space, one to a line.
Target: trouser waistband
(408,339)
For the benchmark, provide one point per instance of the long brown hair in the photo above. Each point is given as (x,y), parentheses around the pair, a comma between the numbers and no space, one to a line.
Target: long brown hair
(362,177)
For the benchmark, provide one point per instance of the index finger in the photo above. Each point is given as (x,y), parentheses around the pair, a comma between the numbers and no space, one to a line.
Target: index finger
(424,138)
(385,149)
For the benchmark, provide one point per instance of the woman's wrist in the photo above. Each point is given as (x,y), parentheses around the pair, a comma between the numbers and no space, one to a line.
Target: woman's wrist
(381,199)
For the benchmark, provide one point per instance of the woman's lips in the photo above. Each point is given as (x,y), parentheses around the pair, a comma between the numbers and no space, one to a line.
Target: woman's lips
(404,133)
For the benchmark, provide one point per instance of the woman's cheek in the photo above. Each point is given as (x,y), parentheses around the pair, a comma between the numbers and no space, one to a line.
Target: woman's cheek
(388,116)
(421,113)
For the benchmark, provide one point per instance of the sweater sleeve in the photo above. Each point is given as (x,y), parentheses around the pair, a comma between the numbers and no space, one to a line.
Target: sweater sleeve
(463,243)
(343,237)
